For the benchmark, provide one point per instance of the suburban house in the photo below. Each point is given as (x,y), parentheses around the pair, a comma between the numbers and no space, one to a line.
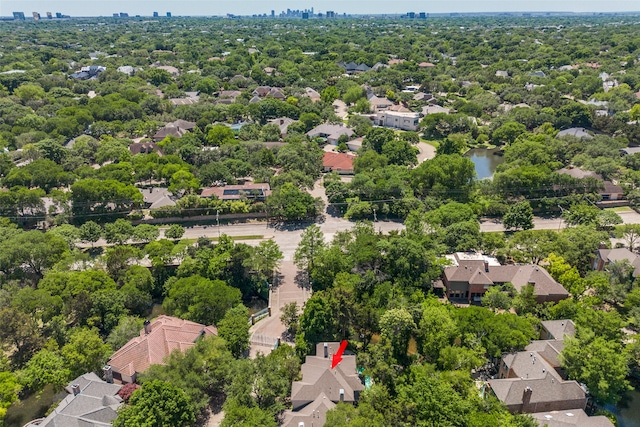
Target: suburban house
(605,257)
(283,123)
(353,68)
(575,132)
(629,151)
(228,96)
(379,103)
(144,148)
(157,197)
(398,120)
(91,402)
(471,276)
(237,192)
(572,418)
(330,132)
(268,91)
(557,329)
(341,163)
(86,73)
(532,381)
(177,129)
(156,341)
(321,387)
(610,191)
(313,94)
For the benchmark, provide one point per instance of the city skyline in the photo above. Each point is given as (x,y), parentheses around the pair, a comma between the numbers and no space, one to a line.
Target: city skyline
(251,7)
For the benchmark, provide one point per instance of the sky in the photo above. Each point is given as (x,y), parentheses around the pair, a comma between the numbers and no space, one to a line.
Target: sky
(249,7)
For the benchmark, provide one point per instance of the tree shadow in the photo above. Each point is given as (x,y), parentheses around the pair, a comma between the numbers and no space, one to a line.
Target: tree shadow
(278,279)
(302,280)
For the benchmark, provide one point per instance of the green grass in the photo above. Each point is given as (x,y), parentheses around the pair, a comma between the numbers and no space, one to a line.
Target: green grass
(215,239)
(620,209)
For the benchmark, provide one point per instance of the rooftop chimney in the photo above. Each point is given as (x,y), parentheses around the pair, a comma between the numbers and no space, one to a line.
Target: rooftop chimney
(108,374)
(526,399)
(326,350)
(341,395)
(147,327)
(76,389)
(486,266)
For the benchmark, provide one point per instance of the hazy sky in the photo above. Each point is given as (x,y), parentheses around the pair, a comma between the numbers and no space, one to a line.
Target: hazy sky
(248,7)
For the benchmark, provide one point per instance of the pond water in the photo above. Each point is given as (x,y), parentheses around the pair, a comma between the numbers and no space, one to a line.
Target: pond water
(32,407)
(628,409)
(485,161)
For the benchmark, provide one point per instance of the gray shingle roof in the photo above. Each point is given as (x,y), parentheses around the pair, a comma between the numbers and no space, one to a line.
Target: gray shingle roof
(94,406)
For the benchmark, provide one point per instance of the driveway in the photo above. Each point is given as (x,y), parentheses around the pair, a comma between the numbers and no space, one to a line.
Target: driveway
(427,151)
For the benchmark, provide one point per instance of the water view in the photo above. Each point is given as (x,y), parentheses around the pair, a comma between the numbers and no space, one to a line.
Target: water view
(485,161)
(628,409)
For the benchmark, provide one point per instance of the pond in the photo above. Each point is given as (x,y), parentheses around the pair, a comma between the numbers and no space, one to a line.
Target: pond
(485,161)
(628,409)
(32,407)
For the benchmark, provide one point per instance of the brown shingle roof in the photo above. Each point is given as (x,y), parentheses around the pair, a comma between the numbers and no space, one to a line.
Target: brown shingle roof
(519,275)
(546,389)
(318,378)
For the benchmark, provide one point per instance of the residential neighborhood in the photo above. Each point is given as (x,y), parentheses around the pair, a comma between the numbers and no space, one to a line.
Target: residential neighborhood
(319,218)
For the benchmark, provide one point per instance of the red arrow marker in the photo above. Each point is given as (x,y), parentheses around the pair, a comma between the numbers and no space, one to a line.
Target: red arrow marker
(337,358)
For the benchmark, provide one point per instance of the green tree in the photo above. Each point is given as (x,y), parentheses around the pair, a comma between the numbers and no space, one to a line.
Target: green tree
(397,326)
(9,389)
(519,216)
(199,299)
(508,132)
(603,366)
(145,233)
(85,352)
(265,259)
(437,330)
(90,232)
(290,318)
(174,232)
(496,299)
(310,246)
(234,329)
(46,367)
(118,232)
(290,203)
(128,327)
(157,404)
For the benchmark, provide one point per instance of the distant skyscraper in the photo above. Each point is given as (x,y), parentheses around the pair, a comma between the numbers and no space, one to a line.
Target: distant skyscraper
(49,15)
(18,15)
(168,14)
(331,14)
(305,15)
(36,16)
(411,15)
(115,15)
(273,13)
(124,15)
(422,15)
(58,15)
(155,14)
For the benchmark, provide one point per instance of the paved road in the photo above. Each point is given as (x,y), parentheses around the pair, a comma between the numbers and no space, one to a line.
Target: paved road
(488,224)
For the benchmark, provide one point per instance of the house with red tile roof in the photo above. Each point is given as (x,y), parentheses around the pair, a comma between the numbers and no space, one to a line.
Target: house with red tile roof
(338,162)
(158,339)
